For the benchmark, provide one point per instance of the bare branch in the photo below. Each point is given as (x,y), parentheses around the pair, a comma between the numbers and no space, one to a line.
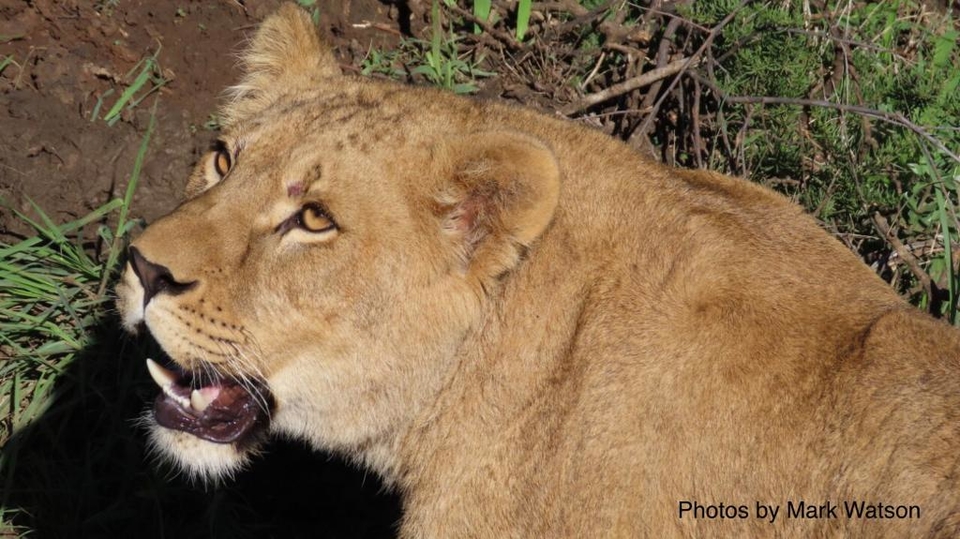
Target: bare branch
(629,85)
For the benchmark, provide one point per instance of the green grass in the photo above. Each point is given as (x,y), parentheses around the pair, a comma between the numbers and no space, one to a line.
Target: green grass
(438,60)
(442,65)
(49,292)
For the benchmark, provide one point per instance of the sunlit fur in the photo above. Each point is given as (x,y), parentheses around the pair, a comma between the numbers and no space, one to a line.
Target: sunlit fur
(531,331)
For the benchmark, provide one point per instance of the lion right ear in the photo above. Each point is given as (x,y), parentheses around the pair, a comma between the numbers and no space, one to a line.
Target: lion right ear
(498,194)
(286,52)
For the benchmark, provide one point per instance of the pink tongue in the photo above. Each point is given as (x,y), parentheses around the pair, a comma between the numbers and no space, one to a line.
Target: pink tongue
(209,393)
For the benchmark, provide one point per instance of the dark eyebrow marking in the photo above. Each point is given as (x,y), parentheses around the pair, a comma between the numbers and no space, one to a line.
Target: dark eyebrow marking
(315,174)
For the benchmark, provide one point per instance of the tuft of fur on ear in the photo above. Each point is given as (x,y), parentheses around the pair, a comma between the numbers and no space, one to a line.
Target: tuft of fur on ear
(498,195)
(285,52)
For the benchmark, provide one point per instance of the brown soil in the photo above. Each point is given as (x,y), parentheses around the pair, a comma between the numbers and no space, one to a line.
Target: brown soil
(69,53)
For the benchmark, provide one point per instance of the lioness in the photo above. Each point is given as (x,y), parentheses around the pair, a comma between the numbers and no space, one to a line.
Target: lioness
(528,329)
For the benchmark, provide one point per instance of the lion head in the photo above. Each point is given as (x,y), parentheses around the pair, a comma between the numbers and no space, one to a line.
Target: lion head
(334,249)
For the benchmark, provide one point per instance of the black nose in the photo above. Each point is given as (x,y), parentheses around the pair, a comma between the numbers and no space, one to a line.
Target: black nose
(155,278)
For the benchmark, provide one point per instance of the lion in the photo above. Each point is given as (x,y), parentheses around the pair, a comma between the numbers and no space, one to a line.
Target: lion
(526,328)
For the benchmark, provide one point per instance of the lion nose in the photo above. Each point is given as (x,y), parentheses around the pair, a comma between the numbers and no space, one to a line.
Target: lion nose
(155,278)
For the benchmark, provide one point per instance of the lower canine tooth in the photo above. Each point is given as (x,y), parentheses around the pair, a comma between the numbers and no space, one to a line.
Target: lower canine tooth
(198,401)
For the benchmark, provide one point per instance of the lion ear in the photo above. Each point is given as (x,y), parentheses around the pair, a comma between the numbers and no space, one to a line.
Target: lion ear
(285,52)
(499,195)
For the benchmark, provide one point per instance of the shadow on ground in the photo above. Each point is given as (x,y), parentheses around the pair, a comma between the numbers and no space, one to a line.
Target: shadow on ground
(82,470)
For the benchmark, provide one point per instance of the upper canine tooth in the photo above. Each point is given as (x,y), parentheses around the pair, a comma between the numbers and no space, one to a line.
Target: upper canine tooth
(199,401)
(161,376)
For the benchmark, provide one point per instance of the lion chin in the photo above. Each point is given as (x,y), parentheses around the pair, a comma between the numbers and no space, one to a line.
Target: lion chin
(201,461)
(208,426)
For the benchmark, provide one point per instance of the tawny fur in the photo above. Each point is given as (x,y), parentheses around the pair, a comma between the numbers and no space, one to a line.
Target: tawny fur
(531,331)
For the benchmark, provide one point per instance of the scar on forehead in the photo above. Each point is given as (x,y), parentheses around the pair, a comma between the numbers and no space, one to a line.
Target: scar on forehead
(295,189)
(298,188)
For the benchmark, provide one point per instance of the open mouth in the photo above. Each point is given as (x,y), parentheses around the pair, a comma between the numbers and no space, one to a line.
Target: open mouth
(219,410)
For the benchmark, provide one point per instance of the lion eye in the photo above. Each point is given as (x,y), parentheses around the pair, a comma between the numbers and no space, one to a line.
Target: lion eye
(313,218)
(222,162)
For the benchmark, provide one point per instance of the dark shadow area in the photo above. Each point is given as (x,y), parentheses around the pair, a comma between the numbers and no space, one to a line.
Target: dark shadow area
(82,470)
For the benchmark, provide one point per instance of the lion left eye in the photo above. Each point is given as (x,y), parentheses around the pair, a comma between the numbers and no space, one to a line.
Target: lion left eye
(313,218)
(222,162)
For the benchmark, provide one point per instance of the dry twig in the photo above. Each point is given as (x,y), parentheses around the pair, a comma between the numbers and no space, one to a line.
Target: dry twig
(626,86)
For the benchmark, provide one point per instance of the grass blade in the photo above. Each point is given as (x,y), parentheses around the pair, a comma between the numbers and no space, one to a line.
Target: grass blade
(114,252)
(947,254)
(523,17)
(481,10)
(5,62)
(131,90)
